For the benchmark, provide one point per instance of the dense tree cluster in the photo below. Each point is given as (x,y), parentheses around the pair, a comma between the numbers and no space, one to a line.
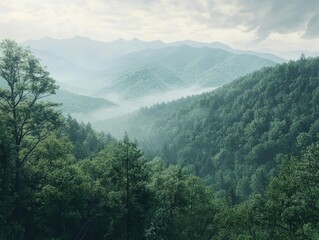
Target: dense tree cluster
(235,136)
(59,179)
(115,194)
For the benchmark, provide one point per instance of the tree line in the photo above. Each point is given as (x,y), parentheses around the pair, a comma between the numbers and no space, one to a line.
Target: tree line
(62,180)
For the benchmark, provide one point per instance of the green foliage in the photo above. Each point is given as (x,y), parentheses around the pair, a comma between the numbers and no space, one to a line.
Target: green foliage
(294,197)
(62,180)
(6,180)
(183,207)
(242,221)
(289,209)
(121,170)
(233,136)
(57,192)
(29,120)
(87,143)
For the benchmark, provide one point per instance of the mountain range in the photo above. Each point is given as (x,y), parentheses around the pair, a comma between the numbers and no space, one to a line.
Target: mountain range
(157,70)
(131,70)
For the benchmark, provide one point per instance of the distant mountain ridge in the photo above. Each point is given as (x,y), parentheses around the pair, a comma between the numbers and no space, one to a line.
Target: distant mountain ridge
(218,45)
(191,66)
(134,69)
(106,51)
(90,53)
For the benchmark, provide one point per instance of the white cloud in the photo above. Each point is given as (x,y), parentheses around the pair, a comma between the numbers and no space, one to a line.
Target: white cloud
(234,22)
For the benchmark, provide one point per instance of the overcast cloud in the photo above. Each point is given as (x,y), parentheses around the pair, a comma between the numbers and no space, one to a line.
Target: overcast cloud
(271,23)
(279,16)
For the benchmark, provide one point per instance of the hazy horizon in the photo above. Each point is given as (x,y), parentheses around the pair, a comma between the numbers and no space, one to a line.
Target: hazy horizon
(261,50)
(253,25)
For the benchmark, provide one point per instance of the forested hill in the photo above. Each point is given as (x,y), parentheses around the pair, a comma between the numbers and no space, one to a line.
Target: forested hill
(234,136)
(59,179)
(158,70)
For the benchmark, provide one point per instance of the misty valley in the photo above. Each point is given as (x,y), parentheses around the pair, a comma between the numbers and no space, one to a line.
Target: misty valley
(123,76)
(147,140)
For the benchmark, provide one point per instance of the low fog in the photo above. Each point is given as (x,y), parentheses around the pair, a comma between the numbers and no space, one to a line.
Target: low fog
(100,81)
(127,106)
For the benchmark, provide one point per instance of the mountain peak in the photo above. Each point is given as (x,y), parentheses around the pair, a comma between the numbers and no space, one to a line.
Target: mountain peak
(135,40)
(119,40)
(219,45)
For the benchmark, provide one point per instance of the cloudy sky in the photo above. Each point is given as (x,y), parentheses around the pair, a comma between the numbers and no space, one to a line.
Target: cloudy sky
(250,24)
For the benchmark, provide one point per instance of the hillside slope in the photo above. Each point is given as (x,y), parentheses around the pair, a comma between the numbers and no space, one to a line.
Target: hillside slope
(235,136)
(144,81)
(197,67)
(75,103)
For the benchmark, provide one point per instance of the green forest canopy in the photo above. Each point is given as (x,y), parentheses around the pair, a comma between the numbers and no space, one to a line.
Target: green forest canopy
(234,137)
(75,183)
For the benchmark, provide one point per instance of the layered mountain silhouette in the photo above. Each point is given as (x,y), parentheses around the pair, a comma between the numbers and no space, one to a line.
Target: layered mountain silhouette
(134,69)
